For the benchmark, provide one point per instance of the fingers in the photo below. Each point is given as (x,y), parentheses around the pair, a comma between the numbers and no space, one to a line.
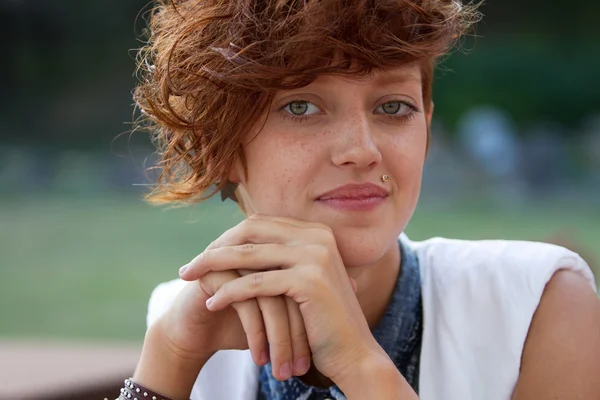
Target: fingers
(275,316)
(212,281)
(245,256)
(279,323)
(291,221)
(260,284)
(268,229)
(257,230)
(300,346)
(252,321)
(248,312)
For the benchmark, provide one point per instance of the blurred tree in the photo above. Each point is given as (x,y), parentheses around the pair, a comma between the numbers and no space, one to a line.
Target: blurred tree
(70,70)
(69,67)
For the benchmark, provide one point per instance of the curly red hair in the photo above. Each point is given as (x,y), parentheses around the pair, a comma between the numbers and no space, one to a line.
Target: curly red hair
(210,68)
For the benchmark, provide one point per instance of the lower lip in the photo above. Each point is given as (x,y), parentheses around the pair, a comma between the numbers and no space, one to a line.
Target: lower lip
(362,204)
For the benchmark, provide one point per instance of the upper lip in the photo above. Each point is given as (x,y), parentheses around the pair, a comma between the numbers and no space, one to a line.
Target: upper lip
(355,191)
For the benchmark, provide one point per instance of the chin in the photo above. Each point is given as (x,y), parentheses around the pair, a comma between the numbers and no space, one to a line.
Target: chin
(360,247)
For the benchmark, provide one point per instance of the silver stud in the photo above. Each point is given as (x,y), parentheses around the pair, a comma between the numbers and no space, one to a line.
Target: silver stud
(145,394)
(137,390)
(153,397)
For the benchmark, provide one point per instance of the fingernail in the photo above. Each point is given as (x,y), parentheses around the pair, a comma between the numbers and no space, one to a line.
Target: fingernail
(285,371)
(182,270)
(209,302)
(302,366)
(264,358)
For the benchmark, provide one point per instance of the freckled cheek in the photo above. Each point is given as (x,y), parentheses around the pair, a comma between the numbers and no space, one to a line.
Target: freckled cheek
(279,178)
(300,172)
(405,160)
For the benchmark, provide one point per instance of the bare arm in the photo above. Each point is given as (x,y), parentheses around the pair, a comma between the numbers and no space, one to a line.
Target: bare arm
(164,369)
(561,358)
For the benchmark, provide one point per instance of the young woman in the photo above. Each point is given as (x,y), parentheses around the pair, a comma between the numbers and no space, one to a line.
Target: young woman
(314,116)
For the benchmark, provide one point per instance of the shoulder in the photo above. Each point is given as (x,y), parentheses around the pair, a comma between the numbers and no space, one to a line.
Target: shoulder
(445,262)
(482,301)
(486,252)
(561,355)
(496,285)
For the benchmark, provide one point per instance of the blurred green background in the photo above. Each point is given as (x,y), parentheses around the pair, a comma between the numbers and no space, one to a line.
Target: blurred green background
(515,154)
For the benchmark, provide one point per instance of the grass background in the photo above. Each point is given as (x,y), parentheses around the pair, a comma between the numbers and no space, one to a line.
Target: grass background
(84,267)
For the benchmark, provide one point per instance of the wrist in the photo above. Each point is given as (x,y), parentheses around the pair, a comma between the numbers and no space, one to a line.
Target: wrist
(166,370)
(374,376)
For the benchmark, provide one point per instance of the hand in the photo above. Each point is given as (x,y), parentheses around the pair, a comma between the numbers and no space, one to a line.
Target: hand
(183,339)
(306,267)
(191,331)
(287,342)
(179,343)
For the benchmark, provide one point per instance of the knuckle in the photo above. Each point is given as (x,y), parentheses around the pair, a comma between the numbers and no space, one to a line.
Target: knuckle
(300,338)
(254,217)
(225,289)
(325,228)
(205,255)
(324,235)
(282,343)
(301,254)
(209,283)
(215,280)
(246,229)
(206,287)
(258,333)
(257,279)
(246,248)
(319,253)
(314,278)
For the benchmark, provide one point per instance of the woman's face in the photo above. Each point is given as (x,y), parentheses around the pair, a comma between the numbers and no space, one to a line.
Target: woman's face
(341,131)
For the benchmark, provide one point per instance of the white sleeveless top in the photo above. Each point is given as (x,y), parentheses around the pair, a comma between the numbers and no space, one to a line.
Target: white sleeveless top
(479,298)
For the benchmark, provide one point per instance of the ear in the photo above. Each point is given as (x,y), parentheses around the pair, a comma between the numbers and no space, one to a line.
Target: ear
(429,114)
(236,172)
(428,117)
(240,195)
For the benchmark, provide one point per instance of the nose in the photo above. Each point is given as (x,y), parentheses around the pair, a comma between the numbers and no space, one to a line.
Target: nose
(355,144)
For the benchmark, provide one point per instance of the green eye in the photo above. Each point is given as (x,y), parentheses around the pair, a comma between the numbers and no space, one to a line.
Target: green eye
(392,107)
(299,110)
(298,107)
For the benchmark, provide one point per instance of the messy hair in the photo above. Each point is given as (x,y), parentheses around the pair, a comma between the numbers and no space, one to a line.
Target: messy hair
(210,68)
